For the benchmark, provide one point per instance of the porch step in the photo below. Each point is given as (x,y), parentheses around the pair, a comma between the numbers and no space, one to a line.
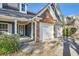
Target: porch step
(25,39)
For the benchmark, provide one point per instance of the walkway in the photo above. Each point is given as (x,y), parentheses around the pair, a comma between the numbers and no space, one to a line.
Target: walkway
(70,46)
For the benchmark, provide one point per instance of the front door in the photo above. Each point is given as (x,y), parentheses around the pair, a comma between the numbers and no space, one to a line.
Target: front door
(21,30)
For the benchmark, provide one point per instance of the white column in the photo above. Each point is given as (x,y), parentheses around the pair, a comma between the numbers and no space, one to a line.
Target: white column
(31,30)
(15,26)
(35,30)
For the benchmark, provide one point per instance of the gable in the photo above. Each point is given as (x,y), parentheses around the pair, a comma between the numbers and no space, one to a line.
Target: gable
(47,17)
(54,13)
(48,7)
(46,14)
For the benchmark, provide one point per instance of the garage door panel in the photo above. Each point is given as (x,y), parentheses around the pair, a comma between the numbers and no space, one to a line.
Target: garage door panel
(46,31)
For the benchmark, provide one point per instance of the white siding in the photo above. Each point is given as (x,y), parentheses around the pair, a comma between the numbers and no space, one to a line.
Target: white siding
(10,28)
(0,5)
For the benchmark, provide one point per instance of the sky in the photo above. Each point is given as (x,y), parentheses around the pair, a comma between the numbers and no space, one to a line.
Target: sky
(69,8)
(35,7)
(65,8)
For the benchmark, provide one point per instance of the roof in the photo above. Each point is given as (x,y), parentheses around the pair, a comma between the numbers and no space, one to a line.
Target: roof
(48,6)
(31,13)
(43,9)
(13,13)
(16,13)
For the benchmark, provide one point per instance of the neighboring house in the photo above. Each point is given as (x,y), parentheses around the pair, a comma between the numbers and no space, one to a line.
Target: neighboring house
(14,18)
(69,20)
(72,21)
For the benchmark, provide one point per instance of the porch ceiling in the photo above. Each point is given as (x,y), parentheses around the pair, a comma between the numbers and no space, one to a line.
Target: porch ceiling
(23,22)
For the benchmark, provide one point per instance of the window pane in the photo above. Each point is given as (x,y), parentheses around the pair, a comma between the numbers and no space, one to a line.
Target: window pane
(23,7)
(0,25)
(4,26)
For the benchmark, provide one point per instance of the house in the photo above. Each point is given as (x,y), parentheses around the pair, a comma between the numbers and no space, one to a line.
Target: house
(14,18)
(48,28)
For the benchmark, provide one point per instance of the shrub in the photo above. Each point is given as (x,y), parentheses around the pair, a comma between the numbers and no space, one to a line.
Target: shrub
(69,31)
(1,33)
(73,30)
(9,43)
(66,32)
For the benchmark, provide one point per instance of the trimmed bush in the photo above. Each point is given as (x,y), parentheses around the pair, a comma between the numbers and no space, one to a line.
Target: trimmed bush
(9,43)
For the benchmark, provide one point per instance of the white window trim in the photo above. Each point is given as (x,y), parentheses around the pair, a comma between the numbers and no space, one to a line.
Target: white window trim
(20,8)
(31,30)
(0,5)
(24,28)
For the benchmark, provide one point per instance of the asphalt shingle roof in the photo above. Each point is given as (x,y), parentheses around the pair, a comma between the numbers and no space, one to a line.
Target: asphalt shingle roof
(18,14)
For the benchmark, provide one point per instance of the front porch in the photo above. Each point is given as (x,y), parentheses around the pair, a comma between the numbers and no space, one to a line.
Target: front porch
(24,27)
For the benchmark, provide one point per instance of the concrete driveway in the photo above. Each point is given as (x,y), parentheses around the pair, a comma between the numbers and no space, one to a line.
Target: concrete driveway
(70,46)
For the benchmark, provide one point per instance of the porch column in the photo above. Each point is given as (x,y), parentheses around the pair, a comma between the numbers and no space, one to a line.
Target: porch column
(35,31)
(15,26)
(32,30)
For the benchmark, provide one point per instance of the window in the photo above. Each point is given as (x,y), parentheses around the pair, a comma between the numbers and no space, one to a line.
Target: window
(23,6)
(4,27)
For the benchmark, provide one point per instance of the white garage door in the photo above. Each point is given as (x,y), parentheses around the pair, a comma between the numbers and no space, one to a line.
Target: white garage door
(46,31)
